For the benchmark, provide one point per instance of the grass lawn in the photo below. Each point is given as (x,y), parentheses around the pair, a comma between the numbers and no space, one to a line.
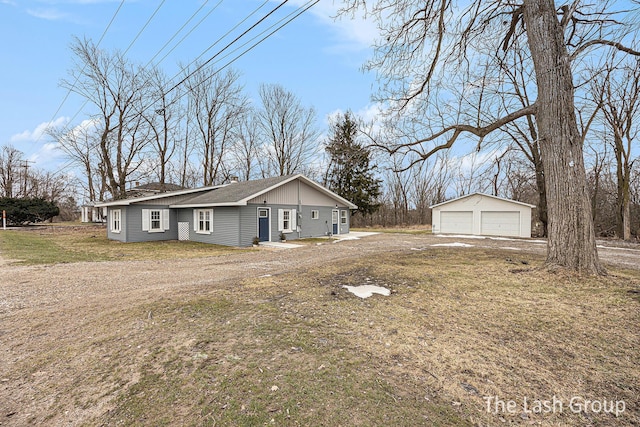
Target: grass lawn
(64,243)
(460,326)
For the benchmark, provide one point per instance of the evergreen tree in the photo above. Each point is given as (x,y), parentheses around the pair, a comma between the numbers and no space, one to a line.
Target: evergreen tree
(350,174)
(27,210)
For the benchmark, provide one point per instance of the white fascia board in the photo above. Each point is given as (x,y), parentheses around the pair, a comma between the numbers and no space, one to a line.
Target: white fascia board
(207,205)
(484,195)
(127,202)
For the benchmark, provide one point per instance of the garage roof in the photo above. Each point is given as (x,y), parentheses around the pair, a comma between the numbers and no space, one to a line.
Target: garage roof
(484,195)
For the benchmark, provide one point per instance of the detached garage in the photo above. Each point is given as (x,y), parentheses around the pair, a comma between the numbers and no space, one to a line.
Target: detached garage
(484,215)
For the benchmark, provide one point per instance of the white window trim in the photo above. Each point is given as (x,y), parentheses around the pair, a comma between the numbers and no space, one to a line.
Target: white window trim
(344,217)
(112,222)
(315,214)
(292,220)
(164,220)
(196,221)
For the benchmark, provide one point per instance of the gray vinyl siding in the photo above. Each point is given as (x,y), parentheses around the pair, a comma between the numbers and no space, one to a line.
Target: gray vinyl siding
(122,235)
(249,224)
(315,227)
(133,224)
(226,227)
(323,225)
(232,226)
(308,227)
(293,193)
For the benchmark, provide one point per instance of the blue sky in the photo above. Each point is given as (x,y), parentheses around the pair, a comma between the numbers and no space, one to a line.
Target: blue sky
(315,57)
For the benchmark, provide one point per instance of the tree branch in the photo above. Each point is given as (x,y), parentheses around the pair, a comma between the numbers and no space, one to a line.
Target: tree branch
(616,45)
(457,130)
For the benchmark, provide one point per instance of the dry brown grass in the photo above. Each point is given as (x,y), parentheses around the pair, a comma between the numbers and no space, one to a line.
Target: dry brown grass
(297,349)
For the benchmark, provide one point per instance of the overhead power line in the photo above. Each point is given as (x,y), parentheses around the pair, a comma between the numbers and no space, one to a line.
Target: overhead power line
(143,28)
(275,28)
(186,35)
(225,48)
(283,22)
(78,76)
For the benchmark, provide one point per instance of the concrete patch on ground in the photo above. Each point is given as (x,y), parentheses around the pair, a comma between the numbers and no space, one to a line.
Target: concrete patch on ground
(365,291)
(280,245)
(353,235)
(455,245)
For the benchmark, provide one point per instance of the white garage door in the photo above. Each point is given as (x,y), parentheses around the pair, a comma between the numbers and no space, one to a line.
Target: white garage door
(456,222)
(500,223)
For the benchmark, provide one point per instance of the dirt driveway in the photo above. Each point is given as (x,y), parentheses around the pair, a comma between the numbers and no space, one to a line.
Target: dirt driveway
(63,287)
(40,304)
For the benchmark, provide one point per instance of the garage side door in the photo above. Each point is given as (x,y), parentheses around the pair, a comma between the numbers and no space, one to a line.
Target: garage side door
(500,223)
(460,222)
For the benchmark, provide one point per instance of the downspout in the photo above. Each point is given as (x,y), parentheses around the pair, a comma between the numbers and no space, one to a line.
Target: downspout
(299,213)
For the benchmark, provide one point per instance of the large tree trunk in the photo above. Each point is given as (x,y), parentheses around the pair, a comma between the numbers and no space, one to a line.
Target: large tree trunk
(571,243)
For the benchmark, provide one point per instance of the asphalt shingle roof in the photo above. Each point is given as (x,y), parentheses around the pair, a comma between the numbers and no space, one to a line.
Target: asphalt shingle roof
(233,193)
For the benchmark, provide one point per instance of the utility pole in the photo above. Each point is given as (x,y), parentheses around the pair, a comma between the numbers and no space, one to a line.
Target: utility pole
(25,165)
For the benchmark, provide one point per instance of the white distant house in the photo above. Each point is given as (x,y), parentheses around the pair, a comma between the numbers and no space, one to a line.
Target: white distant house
(484,215)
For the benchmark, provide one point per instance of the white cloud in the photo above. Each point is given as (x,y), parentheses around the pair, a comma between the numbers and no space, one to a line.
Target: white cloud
(48,151)
(48,14)
(39,131)
(351,34)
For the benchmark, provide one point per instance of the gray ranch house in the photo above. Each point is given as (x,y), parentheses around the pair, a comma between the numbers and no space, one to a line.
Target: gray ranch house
(232,214)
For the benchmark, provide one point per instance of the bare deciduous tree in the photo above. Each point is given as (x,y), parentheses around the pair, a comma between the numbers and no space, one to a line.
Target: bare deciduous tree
(555,37)
(618,92)
(10,161)
(216,106)
(288,130)
(246,147)
(119,92)
(82,148)
(163,119)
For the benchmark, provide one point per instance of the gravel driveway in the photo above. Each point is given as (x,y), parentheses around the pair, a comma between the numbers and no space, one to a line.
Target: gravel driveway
(65,285)
(43,304)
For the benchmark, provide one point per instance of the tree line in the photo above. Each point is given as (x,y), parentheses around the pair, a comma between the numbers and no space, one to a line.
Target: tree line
(543,97)
(200,132)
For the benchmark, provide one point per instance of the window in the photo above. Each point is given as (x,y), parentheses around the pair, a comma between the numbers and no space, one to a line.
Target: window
(155,220)
(116,222)
(156,224)
(203,221)
(287,220)
(315,214)
(343,217)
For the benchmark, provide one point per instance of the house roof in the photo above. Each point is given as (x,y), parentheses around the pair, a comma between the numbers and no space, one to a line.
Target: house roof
(483,195)
(238,194)
(130,200)
(157,186)
(234,194)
